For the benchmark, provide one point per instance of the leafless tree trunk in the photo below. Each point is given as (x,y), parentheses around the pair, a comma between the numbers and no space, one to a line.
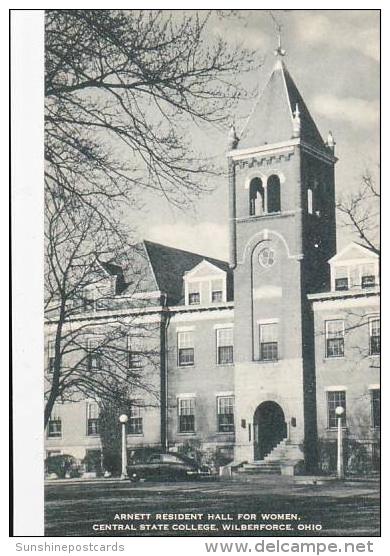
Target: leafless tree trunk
(361,212)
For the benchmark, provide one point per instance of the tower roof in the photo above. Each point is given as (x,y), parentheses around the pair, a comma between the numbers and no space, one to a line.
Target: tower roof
(272,119)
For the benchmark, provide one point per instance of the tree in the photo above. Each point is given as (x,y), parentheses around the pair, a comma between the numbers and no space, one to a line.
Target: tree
(361,212)
(122,90)
(91,359)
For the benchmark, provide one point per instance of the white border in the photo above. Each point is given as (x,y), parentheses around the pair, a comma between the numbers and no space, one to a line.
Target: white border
(27,272)
(27,293)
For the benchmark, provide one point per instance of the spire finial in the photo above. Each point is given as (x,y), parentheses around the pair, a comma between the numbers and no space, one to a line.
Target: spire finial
(279,51)
(232,137)
(330,142)
(296,122)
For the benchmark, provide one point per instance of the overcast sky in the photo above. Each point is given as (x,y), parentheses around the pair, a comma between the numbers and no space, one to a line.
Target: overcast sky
(333,56)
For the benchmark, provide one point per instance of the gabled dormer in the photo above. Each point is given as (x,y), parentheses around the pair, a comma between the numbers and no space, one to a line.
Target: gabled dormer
(205,284)
(96,284)
(354,267)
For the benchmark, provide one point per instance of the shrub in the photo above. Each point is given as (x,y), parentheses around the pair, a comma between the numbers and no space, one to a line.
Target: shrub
(92,462)
(62,465)
(358,459)
(214,457)
(356,456)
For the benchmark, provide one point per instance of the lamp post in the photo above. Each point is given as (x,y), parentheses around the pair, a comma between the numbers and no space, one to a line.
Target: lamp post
(123,420)
(340,460)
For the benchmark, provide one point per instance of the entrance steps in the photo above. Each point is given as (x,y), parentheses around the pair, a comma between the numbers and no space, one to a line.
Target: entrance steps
(281,460)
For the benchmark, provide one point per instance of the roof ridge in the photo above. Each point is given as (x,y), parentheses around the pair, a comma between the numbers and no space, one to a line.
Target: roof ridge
(149,258)
(261,92)
(207,257)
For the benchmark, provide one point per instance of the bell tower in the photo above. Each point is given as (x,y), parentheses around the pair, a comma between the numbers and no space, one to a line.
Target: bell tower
(282,232)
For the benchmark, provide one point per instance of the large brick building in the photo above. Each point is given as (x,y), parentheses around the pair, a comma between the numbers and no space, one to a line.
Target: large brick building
(252,356)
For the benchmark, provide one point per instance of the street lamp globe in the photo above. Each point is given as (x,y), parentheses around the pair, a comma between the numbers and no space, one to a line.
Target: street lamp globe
(123,419)
(339,410)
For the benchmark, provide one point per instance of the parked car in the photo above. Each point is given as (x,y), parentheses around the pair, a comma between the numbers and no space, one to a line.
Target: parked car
(167,467)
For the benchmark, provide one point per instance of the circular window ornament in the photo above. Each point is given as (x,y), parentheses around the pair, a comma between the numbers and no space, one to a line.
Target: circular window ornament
(267,257)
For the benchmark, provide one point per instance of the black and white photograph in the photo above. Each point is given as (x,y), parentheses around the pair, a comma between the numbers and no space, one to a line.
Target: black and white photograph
(211,273)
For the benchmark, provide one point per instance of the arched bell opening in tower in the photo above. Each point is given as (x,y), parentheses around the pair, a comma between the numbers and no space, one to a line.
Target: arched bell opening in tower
(273,194)
(256,197)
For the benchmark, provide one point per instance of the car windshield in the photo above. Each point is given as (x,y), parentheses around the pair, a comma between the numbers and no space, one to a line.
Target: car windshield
(171,458)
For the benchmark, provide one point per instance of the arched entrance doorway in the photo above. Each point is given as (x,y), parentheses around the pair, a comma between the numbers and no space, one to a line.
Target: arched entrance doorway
(269,428)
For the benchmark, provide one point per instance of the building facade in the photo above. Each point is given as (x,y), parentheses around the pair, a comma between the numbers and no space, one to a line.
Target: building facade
(251,357)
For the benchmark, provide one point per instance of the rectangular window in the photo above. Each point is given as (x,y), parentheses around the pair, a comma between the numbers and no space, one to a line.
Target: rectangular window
(336,399)
(92,419)
(193,293)
(216,296)
(51,352)
(194,298)
(368,276)
(187,415)
(225,346)
(54,427)
(368,281)
(53,453)
(216,291)
(334,338)
(134,353)
(89,299)
(135,360)
(341,284)
(135,422)
(94,354)
(375,336)
(185,344)
(269,341)
(376,408)
(225,412)
(341,278)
